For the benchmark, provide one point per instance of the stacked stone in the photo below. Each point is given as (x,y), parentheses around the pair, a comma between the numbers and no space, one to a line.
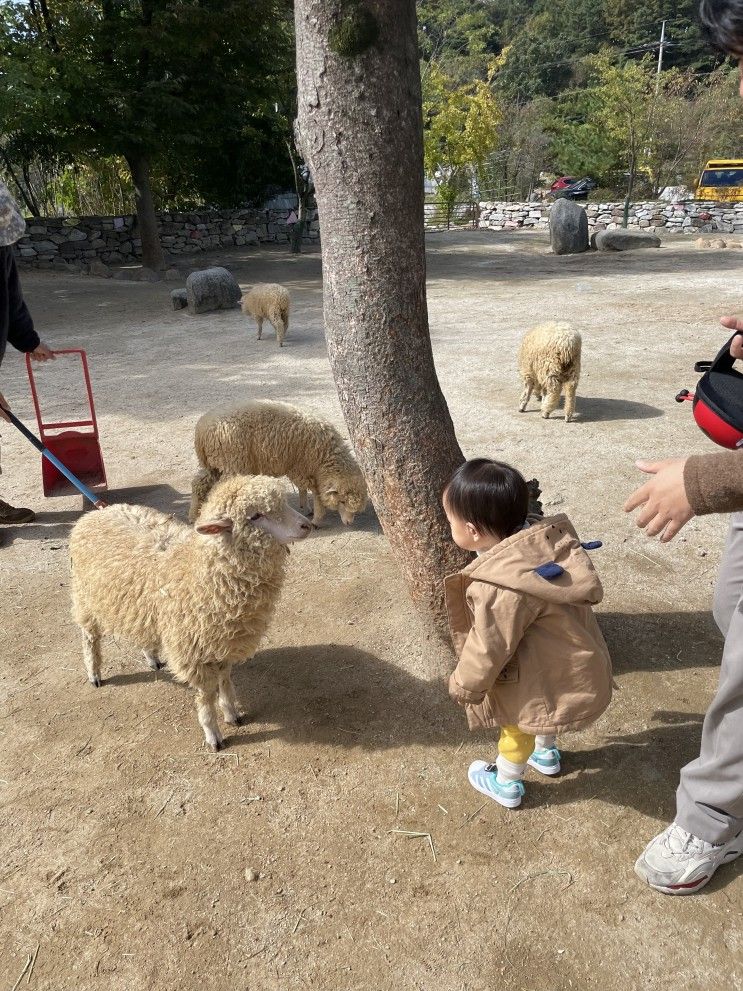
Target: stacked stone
(512,216)
(56,241)
(673,218)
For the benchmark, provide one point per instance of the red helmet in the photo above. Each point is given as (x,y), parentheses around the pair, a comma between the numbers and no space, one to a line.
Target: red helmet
(718,400)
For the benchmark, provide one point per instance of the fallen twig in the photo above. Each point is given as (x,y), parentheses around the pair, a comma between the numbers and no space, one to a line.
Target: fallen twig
(416,834)
(23,973)
(162,807)
(555,873)
(471,817)
(33,963)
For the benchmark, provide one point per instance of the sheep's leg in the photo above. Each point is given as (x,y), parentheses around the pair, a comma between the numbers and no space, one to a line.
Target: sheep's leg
(227,698)
(302,498)
(551,397)
(318,510)
(92,656)
(152,661)
(206,683)
(570,390)
(525,395)
(280,331)
(260,327)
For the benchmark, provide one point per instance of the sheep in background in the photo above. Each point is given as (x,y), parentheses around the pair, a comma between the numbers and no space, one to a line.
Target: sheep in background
(549,361)
(271,438)
(268,301)
(197,598)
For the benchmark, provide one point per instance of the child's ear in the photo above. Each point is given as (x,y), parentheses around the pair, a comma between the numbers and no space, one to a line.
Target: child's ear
(473,531)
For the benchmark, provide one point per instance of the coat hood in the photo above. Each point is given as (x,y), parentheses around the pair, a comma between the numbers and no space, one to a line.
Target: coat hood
(547,561)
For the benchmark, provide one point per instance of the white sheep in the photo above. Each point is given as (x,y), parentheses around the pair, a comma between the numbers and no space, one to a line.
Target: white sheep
(268,301)
(271,438)
(196,599)
(549,361)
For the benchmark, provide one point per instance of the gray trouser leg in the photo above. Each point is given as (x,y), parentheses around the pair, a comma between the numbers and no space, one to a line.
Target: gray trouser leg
(709,799)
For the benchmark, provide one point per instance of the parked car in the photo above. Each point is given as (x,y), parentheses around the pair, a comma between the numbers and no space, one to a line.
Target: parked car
(562,183)
(577,190)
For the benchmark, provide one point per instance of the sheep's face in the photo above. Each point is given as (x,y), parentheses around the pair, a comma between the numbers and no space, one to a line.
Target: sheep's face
(249,510)
(344,497)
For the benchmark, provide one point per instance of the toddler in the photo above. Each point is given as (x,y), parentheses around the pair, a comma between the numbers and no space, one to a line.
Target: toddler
(532,659)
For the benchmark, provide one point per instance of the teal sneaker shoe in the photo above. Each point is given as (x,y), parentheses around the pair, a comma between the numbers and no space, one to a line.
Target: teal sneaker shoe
(546,761)
(484,777)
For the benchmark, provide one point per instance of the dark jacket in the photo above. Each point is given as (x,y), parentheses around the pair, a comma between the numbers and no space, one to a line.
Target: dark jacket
(16,324)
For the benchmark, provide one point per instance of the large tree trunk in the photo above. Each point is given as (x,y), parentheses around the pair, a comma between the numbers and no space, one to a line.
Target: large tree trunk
(149,232)
(360,128)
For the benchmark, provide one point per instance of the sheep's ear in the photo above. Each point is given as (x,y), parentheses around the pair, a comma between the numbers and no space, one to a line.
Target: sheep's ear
(221,525)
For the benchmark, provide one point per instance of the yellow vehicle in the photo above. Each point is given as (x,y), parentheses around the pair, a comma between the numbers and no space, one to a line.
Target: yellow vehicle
(721,180)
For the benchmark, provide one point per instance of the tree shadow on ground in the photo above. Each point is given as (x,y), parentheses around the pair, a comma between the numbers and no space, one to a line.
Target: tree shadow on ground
(56,525)
(671,641)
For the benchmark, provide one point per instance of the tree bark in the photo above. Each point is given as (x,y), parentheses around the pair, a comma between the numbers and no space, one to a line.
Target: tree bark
(360,127)
(149,231)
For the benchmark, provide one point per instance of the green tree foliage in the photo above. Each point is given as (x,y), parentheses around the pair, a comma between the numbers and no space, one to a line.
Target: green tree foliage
(178,88)
(460,131)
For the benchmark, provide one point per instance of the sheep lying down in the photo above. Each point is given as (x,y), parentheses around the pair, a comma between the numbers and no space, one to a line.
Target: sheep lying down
(195,599)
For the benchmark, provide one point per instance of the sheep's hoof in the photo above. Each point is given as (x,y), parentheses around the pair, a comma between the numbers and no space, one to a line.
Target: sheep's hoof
(96,681)
(236,720)
(216,746)
(522,409)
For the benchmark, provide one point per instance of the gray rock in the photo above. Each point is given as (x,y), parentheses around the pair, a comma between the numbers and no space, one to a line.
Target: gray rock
(44,246)
(212,289)
(125,275)
(179,299)
(623,240)
(77,235)
(149,275)
(568,228)
(99,268)
(172,275)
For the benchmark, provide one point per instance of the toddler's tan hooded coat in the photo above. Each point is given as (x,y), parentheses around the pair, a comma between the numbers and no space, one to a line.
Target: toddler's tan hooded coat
(531,653)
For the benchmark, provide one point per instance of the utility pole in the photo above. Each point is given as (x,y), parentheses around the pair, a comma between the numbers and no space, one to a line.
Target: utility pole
(660,56)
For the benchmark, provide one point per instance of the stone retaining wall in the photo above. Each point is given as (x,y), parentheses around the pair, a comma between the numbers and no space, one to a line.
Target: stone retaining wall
(114,240)
(693,217)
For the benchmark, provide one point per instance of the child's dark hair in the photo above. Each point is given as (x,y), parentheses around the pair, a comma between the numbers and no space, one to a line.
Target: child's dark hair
(722,23)
(490,495)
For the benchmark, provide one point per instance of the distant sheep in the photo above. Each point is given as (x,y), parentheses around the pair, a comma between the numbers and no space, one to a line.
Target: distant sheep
(268,301)
(195,599)
(271,438)
(549,361)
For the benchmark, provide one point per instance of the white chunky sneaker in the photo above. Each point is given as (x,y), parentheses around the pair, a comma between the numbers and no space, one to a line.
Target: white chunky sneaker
(678,863)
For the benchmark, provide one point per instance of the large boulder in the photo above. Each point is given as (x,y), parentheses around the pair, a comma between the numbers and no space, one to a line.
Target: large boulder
(178,299)
(623,240)
(212,289)
(568,228)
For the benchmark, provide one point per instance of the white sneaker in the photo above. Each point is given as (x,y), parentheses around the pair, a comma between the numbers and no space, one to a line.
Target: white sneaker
(678,863)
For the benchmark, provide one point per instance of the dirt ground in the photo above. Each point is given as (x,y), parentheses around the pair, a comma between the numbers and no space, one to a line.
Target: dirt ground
(125,844)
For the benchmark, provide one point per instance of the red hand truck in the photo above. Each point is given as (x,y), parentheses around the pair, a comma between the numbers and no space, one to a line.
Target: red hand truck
(79,449)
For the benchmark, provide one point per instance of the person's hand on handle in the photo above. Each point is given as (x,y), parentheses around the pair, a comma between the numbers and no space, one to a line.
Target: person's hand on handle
(665,507)
(3,406)
(736,346)
(42,353)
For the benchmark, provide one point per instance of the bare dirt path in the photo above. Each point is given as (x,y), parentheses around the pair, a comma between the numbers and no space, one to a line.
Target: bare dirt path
(124,845)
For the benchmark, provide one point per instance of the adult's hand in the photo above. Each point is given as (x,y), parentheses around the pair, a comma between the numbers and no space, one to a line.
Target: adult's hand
(665,506)
(736,345)
(42,353)
(3,406)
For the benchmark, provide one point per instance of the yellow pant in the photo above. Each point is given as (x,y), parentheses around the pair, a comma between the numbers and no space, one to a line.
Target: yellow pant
(515,745)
